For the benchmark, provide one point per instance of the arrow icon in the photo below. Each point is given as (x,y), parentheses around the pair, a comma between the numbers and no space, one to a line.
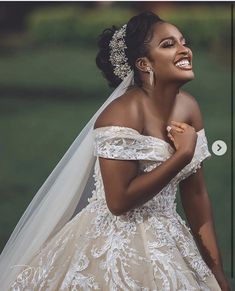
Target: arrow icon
(219,147)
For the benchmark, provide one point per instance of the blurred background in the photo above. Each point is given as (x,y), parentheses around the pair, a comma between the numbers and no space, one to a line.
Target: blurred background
(50,87)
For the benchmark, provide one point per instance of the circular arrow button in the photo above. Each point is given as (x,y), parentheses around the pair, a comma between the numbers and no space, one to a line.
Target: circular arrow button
(219,147)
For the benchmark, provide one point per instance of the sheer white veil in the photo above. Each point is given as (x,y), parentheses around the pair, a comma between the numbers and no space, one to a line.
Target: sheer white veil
(57,201)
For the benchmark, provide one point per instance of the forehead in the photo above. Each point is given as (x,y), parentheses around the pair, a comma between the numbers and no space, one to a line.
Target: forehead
(164,30)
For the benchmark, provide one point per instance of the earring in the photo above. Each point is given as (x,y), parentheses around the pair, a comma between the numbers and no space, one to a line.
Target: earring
(150,75)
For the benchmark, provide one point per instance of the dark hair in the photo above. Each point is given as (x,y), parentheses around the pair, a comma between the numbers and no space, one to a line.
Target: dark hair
(138,34)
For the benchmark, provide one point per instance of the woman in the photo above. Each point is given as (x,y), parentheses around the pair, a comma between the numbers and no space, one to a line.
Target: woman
(129,236)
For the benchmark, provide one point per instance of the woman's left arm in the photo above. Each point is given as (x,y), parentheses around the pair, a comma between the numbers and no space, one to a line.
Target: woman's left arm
(197,205)
(198,210)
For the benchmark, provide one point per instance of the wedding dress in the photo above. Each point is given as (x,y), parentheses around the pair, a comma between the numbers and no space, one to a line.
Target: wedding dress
(147,248)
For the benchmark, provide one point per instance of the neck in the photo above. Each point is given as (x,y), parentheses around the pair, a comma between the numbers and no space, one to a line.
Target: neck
(162,96)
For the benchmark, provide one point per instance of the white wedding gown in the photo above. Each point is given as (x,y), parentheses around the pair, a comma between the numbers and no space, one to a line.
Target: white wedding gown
(148,248)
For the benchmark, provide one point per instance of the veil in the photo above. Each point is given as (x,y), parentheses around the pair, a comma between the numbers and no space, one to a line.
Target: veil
(57,200)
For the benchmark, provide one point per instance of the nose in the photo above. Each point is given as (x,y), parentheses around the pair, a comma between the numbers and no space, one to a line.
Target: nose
(183,49)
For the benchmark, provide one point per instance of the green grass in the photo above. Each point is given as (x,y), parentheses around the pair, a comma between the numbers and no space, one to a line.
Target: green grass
(35,132)
(66,69)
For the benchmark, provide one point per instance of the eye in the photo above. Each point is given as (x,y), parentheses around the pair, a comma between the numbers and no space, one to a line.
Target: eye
(168,43)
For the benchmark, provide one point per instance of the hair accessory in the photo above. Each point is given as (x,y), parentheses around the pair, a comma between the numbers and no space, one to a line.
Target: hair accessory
(118,57)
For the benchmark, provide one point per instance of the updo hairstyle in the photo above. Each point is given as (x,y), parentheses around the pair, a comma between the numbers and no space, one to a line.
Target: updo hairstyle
(139,33)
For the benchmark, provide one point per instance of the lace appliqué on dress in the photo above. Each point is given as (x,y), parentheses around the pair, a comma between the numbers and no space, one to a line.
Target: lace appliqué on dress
(149,248)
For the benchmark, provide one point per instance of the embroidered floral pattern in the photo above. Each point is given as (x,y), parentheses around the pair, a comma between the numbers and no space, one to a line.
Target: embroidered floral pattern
(149,248)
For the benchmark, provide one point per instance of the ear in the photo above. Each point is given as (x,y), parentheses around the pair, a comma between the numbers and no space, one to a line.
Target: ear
(142,64)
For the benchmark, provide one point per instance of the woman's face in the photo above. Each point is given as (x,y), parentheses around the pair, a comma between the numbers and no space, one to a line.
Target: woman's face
(166,49)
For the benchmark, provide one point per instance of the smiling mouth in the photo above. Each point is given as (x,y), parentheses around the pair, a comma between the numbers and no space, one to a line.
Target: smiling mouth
(184,64)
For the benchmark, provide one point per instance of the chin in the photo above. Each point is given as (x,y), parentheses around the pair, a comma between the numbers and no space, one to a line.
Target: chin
(184,78)
(189,78)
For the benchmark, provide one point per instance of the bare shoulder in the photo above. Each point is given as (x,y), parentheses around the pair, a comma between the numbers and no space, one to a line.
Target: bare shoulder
(192,106)
(187,97)
(123,111)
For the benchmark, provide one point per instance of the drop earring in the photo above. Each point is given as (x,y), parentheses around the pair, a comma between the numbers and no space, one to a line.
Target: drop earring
(150,75)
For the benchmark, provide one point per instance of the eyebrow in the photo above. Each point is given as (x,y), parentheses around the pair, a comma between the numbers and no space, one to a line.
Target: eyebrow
(171,37)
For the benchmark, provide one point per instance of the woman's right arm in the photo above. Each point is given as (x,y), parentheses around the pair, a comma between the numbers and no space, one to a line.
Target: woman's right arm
(125,189)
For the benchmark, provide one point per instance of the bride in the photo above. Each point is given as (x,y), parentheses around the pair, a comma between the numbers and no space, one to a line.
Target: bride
(144,141)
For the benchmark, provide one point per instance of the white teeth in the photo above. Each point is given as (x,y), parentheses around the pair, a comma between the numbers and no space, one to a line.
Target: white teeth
(182,63)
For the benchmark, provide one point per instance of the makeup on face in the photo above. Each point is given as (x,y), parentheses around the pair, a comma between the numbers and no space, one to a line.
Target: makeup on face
(183,63)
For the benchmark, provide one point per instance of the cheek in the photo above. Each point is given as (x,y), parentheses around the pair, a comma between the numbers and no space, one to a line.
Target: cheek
(164,61)
(164,66)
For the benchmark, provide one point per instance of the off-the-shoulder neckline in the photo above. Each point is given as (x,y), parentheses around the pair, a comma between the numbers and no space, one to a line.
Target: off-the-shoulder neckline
(137,132)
